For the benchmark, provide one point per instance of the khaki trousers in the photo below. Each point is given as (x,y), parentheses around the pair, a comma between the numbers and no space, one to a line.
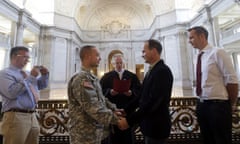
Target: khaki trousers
(20,128)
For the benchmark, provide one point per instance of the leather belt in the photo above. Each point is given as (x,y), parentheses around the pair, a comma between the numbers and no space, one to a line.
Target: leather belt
(213,101)
(21,111)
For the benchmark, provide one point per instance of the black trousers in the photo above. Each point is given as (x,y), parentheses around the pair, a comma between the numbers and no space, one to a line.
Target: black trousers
(215,121)
(118,136)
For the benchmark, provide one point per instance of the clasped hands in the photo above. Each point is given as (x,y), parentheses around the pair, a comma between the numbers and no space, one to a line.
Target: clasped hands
(36,70)
(122,122)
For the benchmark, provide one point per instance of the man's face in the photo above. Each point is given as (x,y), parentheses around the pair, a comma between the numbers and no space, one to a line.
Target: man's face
(119,64)
(95,58)
(195,39)
(21,59)
(147,53)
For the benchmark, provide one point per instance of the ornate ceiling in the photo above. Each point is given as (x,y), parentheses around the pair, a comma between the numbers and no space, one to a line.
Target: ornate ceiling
(102,14)
(132,14)
(114,15)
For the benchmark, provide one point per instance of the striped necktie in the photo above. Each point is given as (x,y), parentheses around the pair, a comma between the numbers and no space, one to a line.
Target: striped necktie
(34,92)
(32,88)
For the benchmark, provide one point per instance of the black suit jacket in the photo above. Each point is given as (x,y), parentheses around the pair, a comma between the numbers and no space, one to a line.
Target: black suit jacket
(153,105)
(120,100)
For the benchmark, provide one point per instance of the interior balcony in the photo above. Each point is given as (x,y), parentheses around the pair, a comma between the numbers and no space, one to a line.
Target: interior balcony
(53,119)
(230,35)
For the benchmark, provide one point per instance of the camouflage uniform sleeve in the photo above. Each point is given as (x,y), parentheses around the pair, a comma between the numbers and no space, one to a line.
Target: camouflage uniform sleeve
(92,103)
(110,105)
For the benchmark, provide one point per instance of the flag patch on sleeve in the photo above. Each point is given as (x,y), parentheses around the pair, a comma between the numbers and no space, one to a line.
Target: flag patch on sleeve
(87,84)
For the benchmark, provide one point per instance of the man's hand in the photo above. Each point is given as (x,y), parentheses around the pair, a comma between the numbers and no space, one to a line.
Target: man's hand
(43,70)
(122,123)
(113,92)
(120,112)
(35,71)
(128,93)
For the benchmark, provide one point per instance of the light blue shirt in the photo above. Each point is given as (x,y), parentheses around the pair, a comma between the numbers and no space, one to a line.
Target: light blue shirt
(15,90)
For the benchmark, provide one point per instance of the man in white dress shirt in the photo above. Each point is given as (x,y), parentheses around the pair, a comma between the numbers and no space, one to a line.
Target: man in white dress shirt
(218,89)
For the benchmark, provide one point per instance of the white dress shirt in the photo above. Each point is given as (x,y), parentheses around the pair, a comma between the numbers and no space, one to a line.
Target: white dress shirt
(217,72)
(120,73)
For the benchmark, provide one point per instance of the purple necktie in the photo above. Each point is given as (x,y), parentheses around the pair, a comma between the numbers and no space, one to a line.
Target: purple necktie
(199,75)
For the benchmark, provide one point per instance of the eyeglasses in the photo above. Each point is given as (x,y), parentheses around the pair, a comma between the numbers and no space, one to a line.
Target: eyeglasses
(26,57)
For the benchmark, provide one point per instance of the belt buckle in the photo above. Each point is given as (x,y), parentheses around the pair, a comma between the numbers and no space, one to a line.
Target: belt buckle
(201,100)
(30,111)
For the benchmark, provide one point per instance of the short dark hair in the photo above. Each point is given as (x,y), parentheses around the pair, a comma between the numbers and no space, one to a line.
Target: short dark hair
(152,43)
(85,50)
(15,50)
(200,30)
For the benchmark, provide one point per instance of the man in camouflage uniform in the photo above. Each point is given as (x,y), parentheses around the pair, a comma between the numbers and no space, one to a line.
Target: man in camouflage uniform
(90,112)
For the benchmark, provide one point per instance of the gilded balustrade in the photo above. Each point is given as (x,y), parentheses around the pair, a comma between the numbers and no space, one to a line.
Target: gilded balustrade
(53,118)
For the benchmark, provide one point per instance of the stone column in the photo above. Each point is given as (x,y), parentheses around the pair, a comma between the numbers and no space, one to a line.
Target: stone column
(13,34)
(70,56)
(102,68)
(236,62)
(185,63)
(20,27)
(45,58)
(130,60)
(210,25)
(19,34)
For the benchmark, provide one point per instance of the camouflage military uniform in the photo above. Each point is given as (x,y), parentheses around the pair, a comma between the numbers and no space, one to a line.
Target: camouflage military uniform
(89,111)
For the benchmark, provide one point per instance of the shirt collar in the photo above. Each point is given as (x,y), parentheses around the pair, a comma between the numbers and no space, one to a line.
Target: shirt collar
(122,70)
(85,69)
(206,48)
(152,65)
(14,68)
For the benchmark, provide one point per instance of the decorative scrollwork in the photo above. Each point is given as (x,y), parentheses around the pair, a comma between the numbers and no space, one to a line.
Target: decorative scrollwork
(236,121)
(53,118)
(184,120)
(53,121)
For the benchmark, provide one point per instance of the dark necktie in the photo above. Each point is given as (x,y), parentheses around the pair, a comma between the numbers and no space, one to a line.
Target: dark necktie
(148,72)
(199,75)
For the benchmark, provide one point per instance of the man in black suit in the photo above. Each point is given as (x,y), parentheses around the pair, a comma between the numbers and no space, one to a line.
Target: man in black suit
(152,111)
(120,98)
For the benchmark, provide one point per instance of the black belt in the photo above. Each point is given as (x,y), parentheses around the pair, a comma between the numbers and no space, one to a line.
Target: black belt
(213,101)
(21,111)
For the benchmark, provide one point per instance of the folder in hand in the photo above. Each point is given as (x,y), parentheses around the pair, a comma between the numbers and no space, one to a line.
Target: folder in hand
(121,85)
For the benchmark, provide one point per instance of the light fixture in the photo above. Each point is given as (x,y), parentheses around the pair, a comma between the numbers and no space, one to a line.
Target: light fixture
(30,44)
(101,73)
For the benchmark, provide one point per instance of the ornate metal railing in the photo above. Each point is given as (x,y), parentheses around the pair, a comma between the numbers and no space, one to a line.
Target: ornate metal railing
(53,118)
